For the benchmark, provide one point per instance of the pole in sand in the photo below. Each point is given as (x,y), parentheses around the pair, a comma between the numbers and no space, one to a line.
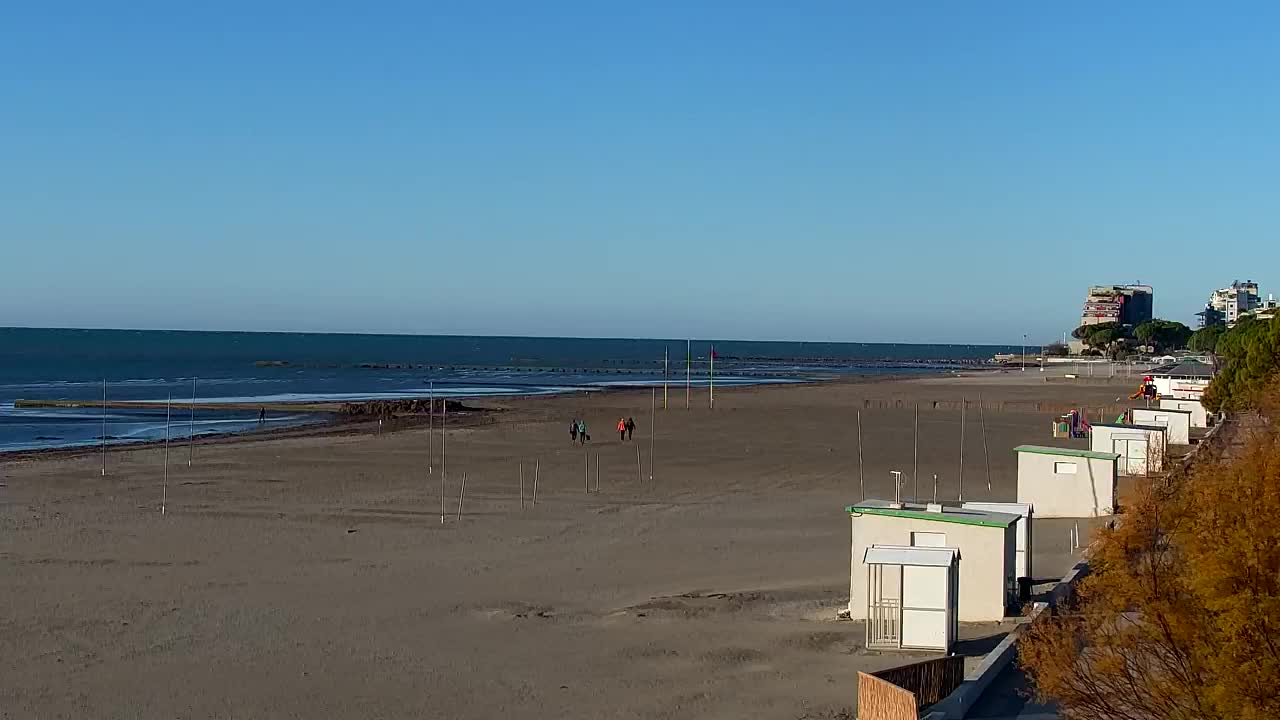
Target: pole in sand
(963,404)
(666,364)
(164,490)
(986,454)
(191,432)
(444,467)
(104,427)
(935,487)
(688,373)
(537,467)
(653,413)
(586,471)
(639,471)
(597,471)
(711,378)
(431,421)
(862,485)
(521,486)
(462,491)
(915,456)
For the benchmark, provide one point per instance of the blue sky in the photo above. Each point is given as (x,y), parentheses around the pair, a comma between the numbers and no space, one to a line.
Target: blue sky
(945,172)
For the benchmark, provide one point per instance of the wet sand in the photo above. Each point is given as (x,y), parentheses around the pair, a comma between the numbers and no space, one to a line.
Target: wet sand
(312,577)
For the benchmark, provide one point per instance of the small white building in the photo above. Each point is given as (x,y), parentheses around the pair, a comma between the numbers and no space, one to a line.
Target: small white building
(1141,448)
(986,543)
(1176,423)
(912,594)
(1184,380)
(1199,416)
(1065,482)
(1022,557)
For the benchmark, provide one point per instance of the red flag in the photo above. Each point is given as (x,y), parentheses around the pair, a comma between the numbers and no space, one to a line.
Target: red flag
(713,352)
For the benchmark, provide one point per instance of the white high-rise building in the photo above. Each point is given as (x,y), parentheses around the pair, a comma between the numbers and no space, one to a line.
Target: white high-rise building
(1234,301)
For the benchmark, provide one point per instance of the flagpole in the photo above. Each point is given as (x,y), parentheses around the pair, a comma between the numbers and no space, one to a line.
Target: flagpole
(191,430)
(712,377)
(688,370)
(104,427)
(666,362)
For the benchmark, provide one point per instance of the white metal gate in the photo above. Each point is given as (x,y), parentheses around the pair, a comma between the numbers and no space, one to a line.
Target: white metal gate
(911,597)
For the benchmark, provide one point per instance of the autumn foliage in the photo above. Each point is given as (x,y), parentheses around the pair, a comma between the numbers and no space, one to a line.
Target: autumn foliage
(1180,616)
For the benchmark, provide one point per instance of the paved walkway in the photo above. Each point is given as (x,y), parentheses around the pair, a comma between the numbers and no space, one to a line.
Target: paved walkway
(1010,697)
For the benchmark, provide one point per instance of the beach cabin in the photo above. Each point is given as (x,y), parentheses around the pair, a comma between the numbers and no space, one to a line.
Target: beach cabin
(1022,557)
(985,542)
(1199,416)
(1185,380)
(1176,423)
(1064,482)
(1141,448)
(911,597)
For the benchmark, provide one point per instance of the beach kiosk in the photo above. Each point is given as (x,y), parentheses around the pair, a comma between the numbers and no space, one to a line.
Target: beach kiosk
(1141,447)
(1199,416)
(1176,423)
(985,544)
(911,597)
(1022,558)
(1064,482)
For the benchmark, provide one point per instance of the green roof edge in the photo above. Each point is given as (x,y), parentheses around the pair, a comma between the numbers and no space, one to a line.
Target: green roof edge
(1068,452)
(926,515)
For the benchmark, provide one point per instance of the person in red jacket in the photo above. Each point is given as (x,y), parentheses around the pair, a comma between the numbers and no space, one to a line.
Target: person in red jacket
(622,429)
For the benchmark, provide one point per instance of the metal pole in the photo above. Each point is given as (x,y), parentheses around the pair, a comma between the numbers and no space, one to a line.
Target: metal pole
(104,427)
(191,432)
(915,456)
(431,422)
(444,464)
(639,467)
(666,363)
(1024,352)
(963,404)
(586,470)
(164,492)
(462,491)
(711,378)
(521,486)
(537,470)
(935,487)
(688,371)
(597,471)
(986,454)
(862,485)
(653,412)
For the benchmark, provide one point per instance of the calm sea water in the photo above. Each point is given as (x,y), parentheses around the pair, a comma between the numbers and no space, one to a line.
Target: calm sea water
(275,367)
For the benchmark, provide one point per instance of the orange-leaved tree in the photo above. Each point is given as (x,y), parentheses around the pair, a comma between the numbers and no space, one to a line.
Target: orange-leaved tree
(1180,616)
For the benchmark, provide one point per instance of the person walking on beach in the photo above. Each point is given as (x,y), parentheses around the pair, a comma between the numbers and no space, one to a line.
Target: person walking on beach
(262,416)
(622,429)
(583,437)
(573,431)
(631,427)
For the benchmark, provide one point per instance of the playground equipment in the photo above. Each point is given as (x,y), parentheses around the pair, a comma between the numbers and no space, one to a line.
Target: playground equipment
(1147,389)
(1074,424)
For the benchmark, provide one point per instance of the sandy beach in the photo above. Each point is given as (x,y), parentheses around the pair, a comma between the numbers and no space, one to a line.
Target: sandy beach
(311,576)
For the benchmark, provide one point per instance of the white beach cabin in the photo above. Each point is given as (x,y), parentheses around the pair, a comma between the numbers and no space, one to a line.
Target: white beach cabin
(1199,416)
(1141,447)
(1064,482)
(985,541)
(1022,558)
(1176,423)
(911,597)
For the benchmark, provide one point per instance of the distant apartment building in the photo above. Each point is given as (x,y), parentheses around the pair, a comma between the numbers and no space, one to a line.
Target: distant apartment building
(1230,303)
(1126,304)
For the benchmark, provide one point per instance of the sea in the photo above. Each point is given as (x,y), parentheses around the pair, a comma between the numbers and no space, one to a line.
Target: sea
(253,367)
